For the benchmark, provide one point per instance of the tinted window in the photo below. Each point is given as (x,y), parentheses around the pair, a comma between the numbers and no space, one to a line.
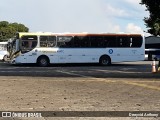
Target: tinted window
(110,41)
(96,41)
(136,41)
(123,41)
(65,41)
(47,41)
(81,41)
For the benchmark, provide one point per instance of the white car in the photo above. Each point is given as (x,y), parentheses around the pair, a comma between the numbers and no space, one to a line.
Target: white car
(3,51)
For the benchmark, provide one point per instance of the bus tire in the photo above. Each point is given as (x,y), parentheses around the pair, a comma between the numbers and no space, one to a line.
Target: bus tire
(105,60)
(43,61)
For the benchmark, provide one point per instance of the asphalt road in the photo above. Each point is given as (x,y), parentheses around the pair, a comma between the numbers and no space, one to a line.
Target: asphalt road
(118,70)
(128,86)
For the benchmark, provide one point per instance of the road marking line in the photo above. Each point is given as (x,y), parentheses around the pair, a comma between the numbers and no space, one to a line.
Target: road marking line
(90,77)
(119,71)
(69,73)
(111,81)
(142,81)
(141,85)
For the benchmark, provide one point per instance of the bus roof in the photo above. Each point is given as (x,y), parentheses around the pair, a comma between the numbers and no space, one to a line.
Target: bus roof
(20,34)
(96,34)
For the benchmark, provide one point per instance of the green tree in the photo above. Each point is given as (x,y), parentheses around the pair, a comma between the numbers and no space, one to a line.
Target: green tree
(4,24)
(153,21)
(8,30)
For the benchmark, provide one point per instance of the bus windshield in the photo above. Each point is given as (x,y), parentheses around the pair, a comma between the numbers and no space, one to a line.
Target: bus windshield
(28,43)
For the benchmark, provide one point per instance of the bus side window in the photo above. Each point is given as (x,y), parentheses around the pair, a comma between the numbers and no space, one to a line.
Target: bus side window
(136,41)
(123,41)
(65,41)
(110,41)
(96,41)
(47,41)
(77,41)
(81,42)
(51,41)
(69,42)
(43,41)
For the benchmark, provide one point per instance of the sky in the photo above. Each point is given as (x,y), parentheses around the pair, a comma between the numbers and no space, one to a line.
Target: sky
(93,16)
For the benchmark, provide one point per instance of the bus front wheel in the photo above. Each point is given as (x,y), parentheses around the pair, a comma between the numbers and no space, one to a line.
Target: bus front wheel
(43,61)
(105,60)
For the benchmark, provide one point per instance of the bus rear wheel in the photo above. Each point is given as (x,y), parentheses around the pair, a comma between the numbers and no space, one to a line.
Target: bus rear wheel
(105,61)
(43,61)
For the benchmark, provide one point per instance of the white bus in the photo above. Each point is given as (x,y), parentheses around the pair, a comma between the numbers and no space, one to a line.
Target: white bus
(3,51)
(52,48)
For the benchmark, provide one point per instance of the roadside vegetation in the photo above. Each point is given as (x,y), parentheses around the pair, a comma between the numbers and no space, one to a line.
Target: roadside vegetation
(8,30)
